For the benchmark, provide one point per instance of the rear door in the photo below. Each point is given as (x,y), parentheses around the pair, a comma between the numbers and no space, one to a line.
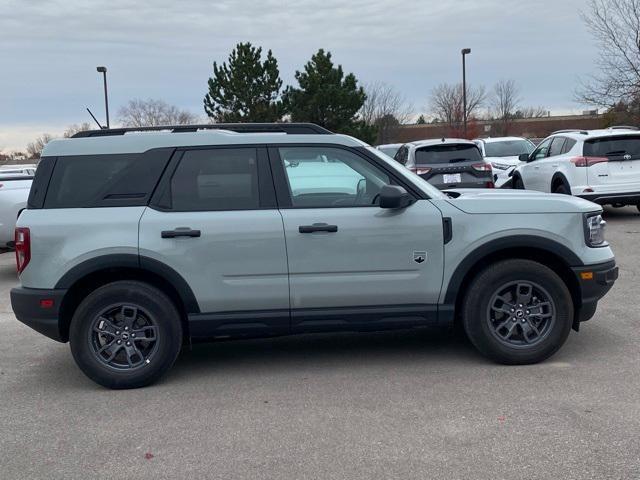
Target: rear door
(351,263)
(621,170)
(453,165)
(214,221)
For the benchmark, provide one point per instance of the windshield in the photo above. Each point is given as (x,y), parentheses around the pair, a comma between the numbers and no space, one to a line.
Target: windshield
(391,151)
(507,148)
(425,186)
(448,153)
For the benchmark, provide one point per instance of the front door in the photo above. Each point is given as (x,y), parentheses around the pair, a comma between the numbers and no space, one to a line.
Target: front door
(351,263)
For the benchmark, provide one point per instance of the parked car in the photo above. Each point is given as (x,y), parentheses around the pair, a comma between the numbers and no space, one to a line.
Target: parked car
(390,149)
(599,165)
(447,163)
(14,191)
(18,169)
(135,243)
(504,155)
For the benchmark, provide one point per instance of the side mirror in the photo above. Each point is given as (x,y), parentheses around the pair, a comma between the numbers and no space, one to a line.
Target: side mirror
(393,196)
(523,157)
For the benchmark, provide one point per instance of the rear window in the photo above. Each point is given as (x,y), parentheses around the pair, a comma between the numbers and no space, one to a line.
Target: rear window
(448,153)
(615,148)
(507,148)
(104,180)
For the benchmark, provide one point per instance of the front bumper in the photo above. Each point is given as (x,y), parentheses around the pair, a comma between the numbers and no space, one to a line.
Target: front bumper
(631,198)
(594,282)
(39,309)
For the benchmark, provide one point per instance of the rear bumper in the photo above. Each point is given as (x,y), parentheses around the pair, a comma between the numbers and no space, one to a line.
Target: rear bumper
(29,308)
(630,198)
(594,281)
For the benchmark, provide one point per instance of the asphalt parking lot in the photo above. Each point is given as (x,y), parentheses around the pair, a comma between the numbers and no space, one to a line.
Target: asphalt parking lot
(417,404)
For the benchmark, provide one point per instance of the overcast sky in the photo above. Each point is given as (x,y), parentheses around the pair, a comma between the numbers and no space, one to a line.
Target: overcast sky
(165,48)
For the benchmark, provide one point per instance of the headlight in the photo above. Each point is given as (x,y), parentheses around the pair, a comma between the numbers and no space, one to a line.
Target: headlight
(594,226)
(500,166)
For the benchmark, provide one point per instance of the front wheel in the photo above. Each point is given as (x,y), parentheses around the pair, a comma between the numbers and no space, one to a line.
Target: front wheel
(517,183)
(125,334)
(517,312)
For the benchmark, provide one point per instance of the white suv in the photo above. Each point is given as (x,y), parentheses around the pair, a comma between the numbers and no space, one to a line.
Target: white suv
(599,165)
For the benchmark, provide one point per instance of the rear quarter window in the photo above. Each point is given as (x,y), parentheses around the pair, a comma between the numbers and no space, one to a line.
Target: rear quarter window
(82,181)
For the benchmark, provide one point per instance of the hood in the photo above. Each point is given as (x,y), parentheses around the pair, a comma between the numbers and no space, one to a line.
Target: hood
(512,161)
(492,201)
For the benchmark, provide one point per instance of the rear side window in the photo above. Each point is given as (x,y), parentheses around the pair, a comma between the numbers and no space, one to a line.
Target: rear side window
(105,180)
(615,148)
(216,179)
(556,146)
(448,153)
(568,145)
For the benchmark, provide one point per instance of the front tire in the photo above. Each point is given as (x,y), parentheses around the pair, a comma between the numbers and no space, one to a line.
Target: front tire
(518,184)
(125,334)
(517,312)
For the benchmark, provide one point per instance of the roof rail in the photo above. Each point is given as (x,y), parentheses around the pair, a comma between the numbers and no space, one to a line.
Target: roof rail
(622,127)
(288,128)
(571,130)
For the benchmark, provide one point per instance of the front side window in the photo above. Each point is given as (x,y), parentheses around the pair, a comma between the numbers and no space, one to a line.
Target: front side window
(216,179)
(320,177)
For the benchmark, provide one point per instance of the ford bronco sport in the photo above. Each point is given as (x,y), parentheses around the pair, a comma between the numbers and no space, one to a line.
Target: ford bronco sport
(135,242)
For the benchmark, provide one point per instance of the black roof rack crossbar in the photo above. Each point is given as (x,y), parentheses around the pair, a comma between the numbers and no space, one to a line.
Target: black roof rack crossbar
(288,128)
(571,130)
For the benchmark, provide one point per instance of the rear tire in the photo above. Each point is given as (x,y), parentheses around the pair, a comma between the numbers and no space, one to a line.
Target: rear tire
(529,292)
(638,207)
(125,334)
(562,189)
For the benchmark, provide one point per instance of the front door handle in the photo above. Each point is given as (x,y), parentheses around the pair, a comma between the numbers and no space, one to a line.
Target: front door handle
(180,232)
(318,227)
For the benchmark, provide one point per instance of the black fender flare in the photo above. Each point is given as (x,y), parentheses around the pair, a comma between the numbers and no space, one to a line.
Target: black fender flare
(135,262)
(569,258)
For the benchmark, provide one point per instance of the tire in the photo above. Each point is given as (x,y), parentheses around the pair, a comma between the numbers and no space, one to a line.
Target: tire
(517,183)
(107,321)
(481,319)
(638,207)
(562,189)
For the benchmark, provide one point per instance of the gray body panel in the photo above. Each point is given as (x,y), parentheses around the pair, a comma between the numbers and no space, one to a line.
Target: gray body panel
(369,260)
(238,263)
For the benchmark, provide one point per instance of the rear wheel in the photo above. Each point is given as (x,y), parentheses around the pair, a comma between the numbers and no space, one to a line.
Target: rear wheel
(638,207)
(125,334)
(517,312)
(562,189)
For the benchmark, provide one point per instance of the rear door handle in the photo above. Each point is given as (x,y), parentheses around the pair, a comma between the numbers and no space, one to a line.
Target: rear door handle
(180,232)
(318,227)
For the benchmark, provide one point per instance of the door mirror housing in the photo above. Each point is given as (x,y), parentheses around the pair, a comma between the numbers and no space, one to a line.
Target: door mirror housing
(394,196)
(523,157)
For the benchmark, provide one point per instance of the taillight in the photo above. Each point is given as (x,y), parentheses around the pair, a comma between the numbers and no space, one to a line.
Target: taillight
(481,167)
(588,161)
(420,171)
(23,248)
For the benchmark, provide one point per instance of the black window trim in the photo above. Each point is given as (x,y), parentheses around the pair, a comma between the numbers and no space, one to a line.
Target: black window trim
(283,195)
(161,200)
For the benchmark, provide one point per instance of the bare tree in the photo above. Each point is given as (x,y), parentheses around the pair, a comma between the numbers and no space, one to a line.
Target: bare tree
(447,103)
(531,112)
(152,112)
(615,24)
(75,128)
(34,149)
(504,103)
(384,108)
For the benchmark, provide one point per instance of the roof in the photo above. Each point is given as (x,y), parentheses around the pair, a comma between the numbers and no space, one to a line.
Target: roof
(141,141)
(501,139)
(390,145)
(605,132)
(440,141)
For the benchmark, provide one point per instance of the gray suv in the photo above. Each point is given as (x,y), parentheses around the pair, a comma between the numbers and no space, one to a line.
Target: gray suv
(447,163)
(135,242)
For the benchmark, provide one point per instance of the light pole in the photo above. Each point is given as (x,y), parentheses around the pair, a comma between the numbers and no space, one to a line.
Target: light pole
(465,52)
(103,70)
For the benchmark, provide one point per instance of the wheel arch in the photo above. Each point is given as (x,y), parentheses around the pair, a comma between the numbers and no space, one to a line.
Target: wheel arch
(559,178)
(96,272)
(547,252)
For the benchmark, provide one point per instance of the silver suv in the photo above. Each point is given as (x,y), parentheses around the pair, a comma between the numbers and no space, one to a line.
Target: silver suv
(135,242)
